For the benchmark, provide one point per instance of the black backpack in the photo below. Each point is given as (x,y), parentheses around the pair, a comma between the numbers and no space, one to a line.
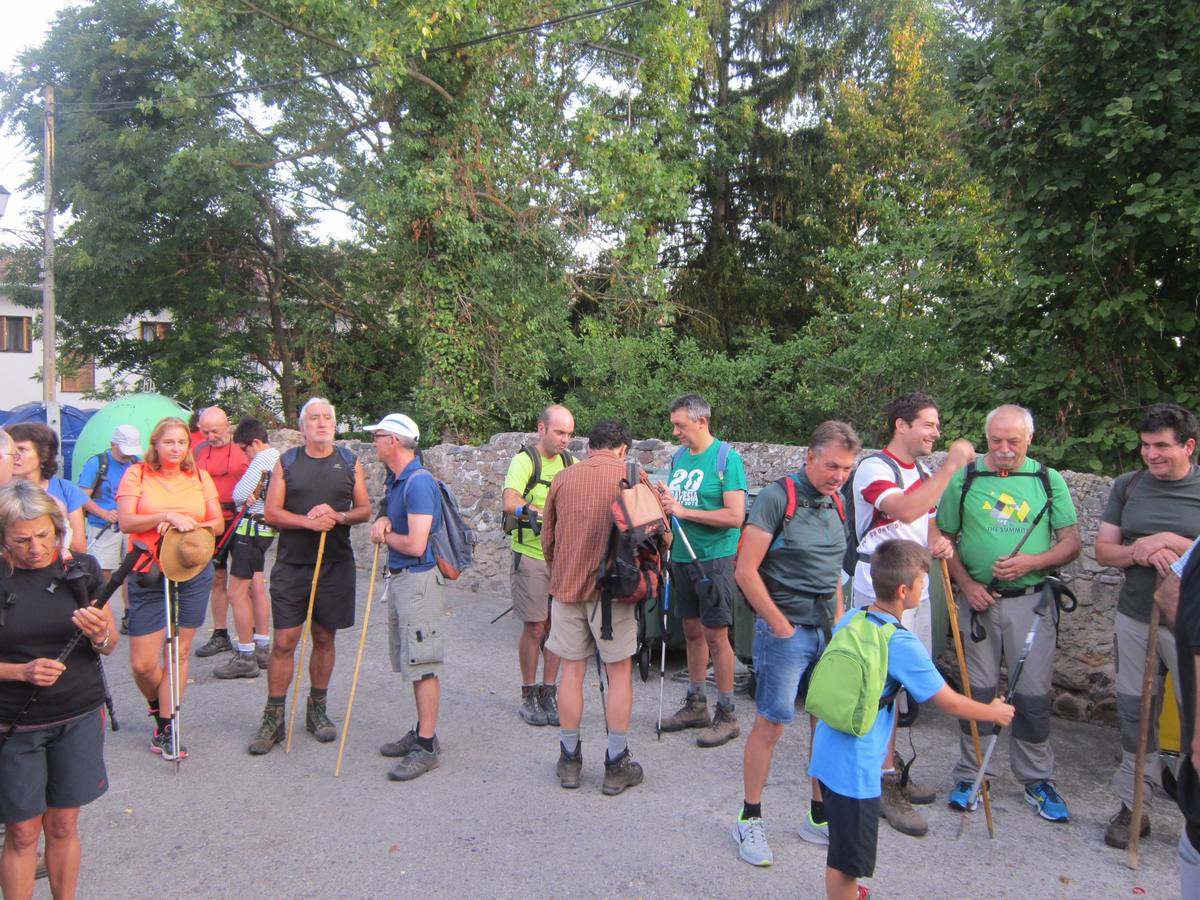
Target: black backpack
(853,535)
(973,472)
(510,522)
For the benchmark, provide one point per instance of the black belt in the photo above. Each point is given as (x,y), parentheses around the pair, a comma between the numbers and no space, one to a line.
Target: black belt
(404,569)
(1008,593)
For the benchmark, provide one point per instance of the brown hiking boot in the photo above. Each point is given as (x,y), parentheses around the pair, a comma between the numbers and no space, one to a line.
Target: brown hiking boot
(693,714)
(1117,832)
(570,766)
(621,773)
(916,793)
(894,807)
(316,721)
(724,728)
(270,732)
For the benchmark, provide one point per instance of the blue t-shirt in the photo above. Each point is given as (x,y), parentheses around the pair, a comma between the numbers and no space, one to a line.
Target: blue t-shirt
(68,492)
(105,494)
(851,766)
(414,491)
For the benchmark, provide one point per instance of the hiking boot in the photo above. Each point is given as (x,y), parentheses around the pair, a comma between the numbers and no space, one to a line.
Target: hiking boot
(899,813)
(316,721)
(163,742)
(1117,832)
(125,622)
(549,701)
(813,832)
(262,655)
(531,708)
(751,837)
(917,794)
(621,773)
(960,798)
(41,871)
(240,665)
(693,714)
(270,732)
(397,749)
(1048,802)
(570,766)
(218,643)
(416,763)
(724,728)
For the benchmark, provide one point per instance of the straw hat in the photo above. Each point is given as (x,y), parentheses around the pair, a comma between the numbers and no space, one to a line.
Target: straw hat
(184,554)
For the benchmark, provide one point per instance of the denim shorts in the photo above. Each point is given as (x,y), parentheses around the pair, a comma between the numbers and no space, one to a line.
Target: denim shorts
(780,665)
(147,612)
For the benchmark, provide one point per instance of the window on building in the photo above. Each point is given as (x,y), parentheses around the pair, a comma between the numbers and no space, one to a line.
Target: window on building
(153,331)
(16,334)
(84,378)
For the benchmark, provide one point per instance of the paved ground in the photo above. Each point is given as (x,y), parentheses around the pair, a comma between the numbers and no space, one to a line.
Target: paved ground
(492,821)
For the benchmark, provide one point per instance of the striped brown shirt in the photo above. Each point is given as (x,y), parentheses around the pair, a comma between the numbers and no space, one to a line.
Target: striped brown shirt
(576,525)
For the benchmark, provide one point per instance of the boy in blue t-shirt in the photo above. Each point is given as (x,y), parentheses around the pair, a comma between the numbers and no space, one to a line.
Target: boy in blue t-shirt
(848,767)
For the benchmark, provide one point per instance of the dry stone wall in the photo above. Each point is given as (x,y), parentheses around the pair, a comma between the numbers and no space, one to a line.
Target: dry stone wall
(1083,677)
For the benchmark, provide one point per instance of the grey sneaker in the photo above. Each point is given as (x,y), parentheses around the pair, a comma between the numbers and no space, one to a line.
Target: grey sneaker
(751,837)
(163,743)
(570,766)
(416,763)
(812,832)
(217,643)
(894,807)
(270,732)
(621,773)
(693,714)
(397,749)
(549,701)
(724,728)
(240,665)
(316,721)
(262,654)
(531,708)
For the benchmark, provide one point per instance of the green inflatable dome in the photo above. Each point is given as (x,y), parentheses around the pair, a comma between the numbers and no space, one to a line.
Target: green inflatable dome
(142,411)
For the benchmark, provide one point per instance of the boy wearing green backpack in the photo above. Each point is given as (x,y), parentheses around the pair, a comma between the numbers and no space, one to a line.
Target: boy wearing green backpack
(847,760)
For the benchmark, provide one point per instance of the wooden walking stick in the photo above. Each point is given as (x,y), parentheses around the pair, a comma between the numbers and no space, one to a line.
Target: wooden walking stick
(952,608)
(312,598)
(362,643)
(1139,769)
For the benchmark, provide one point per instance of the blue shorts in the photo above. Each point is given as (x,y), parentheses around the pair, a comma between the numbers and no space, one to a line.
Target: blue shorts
(146,612)
(780,665)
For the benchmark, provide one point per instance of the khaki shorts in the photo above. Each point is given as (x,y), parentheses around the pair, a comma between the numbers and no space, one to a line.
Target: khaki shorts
(110,547)
(530,588)
(575,631)
(416,603)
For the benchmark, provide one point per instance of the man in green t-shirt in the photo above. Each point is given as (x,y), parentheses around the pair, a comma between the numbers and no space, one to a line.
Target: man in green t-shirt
(1005,498)
(705,495)
(1152,517)
(525,488)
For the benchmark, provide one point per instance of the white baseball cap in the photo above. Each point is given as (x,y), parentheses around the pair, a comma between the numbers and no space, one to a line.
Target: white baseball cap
(128,440)
(397,424)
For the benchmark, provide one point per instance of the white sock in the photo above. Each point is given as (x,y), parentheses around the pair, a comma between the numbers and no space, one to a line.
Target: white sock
(245,648)
(262,639)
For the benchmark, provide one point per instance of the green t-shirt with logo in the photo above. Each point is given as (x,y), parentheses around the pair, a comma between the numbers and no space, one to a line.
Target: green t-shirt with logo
(998,510)
(695,483)
(519,472)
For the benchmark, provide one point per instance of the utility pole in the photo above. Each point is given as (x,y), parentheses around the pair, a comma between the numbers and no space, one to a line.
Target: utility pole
(49,336)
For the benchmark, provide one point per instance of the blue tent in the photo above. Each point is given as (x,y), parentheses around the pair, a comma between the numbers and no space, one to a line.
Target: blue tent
(73,420)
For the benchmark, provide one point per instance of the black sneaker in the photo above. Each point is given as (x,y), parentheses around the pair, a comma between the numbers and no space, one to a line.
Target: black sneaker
(163,743)
(397,749)
(218,643)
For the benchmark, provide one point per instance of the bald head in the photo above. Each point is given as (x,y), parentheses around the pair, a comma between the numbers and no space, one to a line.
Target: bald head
(214,425)
(556,427)
(1009,434)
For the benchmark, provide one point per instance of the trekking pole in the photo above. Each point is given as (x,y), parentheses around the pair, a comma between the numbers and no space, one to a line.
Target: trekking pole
(662,671)
(952,605)
(1139,768)
(99,534)
(312,598)
(600,681)
(362,643)
(1012,687)
(172,650)
(994,584)
(501,616)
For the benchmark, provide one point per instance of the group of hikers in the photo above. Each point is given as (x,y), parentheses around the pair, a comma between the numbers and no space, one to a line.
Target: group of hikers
(840,553)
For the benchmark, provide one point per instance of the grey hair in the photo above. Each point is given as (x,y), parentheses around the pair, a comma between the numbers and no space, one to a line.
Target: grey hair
(311,401)
(833,432)
(696,407)
(406,442)
(1026,416)
(22,500)
(6,442)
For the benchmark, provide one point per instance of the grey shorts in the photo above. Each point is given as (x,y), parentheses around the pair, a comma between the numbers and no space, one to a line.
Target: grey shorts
(530,588)
(109,548)
(575,631)
(416,604)
(704,590)
(61,766)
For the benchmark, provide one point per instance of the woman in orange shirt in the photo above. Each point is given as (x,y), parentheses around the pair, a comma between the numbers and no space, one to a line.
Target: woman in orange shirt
(165,491)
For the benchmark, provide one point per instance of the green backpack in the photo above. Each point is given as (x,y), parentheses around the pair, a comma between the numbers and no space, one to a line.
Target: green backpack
(846,689)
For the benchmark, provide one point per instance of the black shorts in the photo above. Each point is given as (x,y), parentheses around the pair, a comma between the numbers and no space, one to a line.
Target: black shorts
(853,833)
(249,554)
(221,557)
(60,766)
(704,590)
(334,604)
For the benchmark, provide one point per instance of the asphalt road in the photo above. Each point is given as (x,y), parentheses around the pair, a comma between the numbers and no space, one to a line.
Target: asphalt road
(492,821)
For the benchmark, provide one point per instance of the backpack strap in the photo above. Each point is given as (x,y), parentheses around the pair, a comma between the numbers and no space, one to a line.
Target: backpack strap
(789,510)
(1131,484)
(536,475)
(1042,473)
(885,699)
(722,459)
(101,471)
(287,459)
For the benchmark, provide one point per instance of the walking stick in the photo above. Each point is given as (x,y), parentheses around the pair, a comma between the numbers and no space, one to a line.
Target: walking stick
(1139,768)
(172,650)
(662,671)
(952,604)
(362,643)
(312,598)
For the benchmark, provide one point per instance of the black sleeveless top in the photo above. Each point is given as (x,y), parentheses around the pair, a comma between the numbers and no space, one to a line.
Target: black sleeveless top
(311,482)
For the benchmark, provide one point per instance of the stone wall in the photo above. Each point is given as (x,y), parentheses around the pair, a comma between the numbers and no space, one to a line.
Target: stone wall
(1083,669)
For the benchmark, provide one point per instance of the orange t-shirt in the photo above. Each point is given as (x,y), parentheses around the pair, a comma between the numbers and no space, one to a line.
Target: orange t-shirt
(181,492)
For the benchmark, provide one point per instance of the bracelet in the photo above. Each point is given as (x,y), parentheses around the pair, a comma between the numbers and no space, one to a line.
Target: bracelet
(103,644)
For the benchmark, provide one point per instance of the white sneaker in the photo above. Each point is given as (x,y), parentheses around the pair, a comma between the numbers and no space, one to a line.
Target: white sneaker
(751,837)
(812,832)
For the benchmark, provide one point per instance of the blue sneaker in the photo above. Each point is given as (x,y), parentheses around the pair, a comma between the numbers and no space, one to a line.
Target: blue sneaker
(960,798)
(1050,805)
